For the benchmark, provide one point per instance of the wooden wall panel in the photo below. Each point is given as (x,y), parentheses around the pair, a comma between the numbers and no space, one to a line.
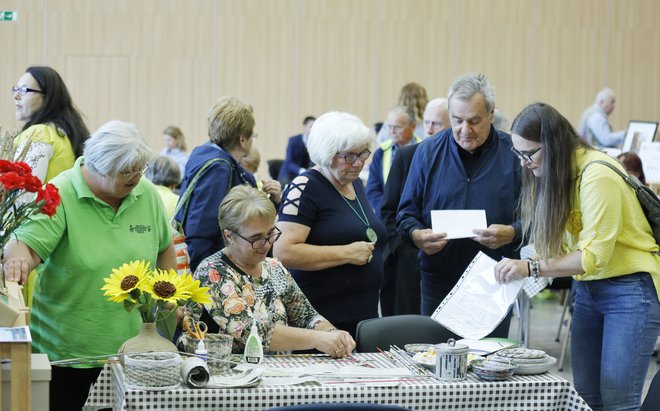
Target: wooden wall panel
(161,62)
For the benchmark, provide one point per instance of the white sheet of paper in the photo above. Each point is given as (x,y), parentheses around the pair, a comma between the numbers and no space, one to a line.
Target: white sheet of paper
(457,223)
(477,303)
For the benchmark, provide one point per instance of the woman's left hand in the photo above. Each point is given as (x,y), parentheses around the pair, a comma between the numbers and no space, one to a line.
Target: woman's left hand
(335,343)
(274,188)
(509,270)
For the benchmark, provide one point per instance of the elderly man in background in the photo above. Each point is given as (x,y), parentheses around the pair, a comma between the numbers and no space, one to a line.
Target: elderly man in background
(297,159)
(436,117)
(594,125)
(401,126)
(400,292)
(470,166)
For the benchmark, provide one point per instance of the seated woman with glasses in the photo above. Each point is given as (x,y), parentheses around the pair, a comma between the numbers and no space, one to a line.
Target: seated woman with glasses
(331,239)
(248,286)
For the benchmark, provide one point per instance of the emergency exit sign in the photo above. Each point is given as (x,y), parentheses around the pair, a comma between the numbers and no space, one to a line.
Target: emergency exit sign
(8,15)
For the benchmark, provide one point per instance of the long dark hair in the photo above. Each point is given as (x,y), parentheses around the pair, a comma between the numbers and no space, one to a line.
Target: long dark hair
(58,108)
(546,202)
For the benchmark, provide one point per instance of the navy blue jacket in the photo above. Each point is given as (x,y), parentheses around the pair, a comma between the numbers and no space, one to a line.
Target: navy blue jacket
(437,180)
(296,158)
(203,235)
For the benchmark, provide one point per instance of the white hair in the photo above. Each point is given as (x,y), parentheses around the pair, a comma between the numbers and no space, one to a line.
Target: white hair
(468,85)
(437,102)
(335,132)
(604,95)
(115,147)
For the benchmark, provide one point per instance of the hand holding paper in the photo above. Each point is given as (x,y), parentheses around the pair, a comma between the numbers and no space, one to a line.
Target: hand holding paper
(495,236)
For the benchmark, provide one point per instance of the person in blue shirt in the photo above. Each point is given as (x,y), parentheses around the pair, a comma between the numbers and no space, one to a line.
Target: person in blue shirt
(401,126)
(231,132)
(469,166)
(595,126)
(297,159)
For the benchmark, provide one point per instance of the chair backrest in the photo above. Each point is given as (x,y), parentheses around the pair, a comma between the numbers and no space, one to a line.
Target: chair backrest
(652,399)
(274,168)
(399,330)
(339,406)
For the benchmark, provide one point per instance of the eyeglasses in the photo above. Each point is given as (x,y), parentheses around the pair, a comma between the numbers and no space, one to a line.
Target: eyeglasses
(351,158)
(255,135)
(131,174)
(23,90)
(260,242)
(527,155)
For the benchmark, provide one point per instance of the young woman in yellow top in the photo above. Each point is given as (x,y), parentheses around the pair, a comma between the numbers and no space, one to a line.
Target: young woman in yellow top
(586,222)
(57,130)
(52,124)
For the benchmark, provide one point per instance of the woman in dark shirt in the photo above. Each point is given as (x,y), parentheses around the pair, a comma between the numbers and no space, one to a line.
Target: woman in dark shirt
(331,240)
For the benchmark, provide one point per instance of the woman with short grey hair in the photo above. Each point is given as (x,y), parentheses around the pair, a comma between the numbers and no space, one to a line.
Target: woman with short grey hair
(164,173)
(109,215)
(332,241)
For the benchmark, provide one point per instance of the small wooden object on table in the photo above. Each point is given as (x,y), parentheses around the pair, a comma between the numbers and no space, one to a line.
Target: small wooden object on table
(19,353)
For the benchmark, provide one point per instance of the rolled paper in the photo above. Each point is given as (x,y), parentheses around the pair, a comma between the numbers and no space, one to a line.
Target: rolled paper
(195,372)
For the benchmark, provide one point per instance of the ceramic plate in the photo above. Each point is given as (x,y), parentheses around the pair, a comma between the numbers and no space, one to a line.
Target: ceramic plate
(415,348)
(425,358)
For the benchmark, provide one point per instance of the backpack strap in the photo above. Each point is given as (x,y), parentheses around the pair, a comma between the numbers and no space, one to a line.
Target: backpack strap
(184,201)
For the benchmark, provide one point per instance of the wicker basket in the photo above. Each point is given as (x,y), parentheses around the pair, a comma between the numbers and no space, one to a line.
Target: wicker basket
(152,371)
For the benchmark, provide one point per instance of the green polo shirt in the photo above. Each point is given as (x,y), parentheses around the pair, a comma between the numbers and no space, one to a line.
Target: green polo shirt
(79,247)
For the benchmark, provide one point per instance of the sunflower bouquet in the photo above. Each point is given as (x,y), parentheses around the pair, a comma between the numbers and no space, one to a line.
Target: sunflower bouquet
(154,293)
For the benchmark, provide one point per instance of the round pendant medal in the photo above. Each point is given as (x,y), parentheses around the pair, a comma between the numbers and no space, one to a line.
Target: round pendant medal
(371,235)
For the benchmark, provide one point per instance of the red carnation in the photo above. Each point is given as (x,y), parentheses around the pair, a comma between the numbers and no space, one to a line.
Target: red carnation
(32,183)
(6,166)
(22,168)
(51,198)
(11,180)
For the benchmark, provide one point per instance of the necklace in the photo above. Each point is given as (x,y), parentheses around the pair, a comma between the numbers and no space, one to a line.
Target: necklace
(370,232)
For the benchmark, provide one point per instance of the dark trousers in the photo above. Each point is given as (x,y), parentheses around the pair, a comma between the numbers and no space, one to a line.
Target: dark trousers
(400,290)
(69,387)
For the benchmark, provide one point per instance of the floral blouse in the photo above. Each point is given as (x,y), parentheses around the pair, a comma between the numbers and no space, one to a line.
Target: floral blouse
(273,299)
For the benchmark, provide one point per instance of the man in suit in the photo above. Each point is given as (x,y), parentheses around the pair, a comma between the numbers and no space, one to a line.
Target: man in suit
(296,160)
(401,126)
(400,292)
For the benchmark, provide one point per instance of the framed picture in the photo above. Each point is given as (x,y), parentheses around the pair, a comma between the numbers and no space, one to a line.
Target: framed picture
(638,132)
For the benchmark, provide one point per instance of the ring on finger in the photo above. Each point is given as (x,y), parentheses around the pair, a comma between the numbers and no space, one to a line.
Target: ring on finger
(371,256)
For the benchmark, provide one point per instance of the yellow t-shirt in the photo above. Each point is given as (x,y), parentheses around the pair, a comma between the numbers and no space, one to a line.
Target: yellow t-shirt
(169,200)
(608,224)
(47,144)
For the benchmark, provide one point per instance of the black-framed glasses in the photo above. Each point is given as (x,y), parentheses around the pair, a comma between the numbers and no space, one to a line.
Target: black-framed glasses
(131,174)
(526,155)
(351,158)
(260,242)
(23,90)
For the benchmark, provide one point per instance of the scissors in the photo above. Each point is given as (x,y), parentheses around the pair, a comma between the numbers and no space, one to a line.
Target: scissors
(194,328)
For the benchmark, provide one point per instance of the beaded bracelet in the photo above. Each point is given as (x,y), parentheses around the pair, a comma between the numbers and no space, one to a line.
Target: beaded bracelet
(535,268)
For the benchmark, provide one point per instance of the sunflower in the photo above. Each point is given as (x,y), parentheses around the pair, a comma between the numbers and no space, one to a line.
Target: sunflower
(197,294)
(125,279)
(166,285)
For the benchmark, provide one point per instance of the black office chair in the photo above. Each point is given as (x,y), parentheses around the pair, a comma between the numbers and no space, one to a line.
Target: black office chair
(339,406)
(652,399)
(274,167)
(399,330)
